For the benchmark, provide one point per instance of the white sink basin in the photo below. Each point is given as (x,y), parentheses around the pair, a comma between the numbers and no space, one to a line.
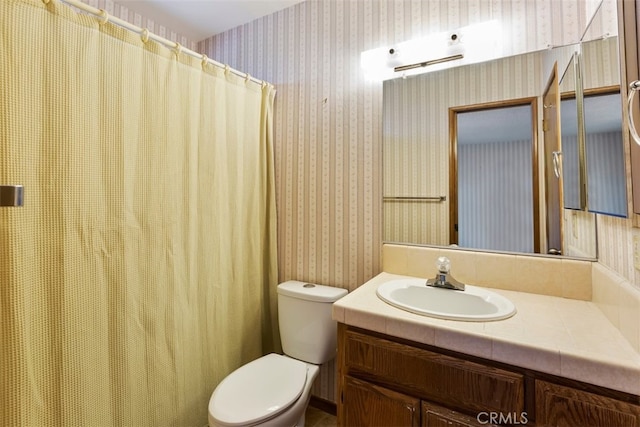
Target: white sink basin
(473,304)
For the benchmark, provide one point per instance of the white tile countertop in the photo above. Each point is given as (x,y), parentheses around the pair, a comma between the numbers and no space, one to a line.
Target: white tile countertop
(559,336)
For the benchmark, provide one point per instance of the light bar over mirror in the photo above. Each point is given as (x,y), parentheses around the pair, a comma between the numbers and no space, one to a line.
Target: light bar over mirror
(462,46)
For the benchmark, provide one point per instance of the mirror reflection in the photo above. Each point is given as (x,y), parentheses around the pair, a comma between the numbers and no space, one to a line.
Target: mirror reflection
(593,181)
(418,203)
(429,199)
(606,177)
(494,177)
(596,112)
(606,181)
(416,144)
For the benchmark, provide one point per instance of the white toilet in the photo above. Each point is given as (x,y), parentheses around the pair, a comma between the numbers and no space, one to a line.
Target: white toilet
(274,390)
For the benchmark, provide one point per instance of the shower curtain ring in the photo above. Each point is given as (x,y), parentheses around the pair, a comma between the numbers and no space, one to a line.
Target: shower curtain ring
(177,49)
(247,78)
(104,17)
(46,1)
(144,35)
(226,69)
(205,60)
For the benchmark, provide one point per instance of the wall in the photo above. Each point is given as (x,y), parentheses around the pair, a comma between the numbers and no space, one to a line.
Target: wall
(328,117)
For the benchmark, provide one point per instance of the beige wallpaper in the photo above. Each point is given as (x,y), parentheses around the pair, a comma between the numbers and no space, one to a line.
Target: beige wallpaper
(328,117)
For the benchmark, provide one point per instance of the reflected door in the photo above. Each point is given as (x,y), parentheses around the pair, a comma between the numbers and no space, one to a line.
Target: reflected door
(553,164)
(494,192)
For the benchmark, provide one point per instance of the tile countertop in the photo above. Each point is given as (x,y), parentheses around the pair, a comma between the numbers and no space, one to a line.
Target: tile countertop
(559,336)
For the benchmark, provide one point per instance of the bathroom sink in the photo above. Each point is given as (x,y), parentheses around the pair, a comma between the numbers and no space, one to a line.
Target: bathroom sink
(473,304)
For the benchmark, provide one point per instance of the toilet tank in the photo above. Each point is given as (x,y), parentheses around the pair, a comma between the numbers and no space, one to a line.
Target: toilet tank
(307,330)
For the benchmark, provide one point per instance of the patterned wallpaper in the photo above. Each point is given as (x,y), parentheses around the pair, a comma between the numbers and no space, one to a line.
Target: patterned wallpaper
(328,117)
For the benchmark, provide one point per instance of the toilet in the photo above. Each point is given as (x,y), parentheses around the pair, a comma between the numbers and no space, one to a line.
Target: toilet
(274,390)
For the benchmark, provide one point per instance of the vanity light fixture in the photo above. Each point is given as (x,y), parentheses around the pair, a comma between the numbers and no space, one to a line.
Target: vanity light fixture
(427,63)
(465,45)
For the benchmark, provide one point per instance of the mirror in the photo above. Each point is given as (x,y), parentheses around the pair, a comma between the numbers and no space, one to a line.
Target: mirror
(416,205)
(606,177)
(606,181)
(572,151)
(416,133)
(593,154)
(579,239)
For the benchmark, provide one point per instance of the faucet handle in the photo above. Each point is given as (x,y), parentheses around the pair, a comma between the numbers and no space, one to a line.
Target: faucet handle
(443,264)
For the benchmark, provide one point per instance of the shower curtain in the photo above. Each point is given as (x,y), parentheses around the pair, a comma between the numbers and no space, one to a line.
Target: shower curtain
(142,268)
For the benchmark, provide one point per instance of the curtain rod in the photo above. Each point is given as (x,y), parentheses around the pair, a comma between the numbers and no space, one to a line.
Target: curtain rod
(101,13)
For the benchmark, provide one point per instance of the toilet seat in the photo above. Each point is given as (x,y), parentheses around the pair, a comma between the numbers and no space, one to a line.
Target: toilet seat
(259,390)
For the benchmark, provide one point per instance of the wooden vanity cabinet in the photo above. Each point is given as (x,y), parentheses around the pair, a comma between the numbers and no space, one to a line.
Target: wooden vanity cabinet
(383,381)
(558,405)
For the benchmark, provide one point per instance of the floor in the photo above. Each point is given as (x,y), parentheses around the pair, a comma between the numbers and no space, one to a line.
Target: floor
(316,418)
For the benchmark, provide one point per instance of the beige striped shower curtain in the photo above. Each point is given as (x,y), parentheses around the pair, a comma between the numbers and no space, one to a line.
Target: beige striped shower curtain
(142,268)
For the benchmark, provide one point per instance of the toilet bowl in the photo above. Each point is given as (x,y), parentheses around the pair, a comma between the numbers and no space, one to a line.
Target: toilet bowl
(275,389)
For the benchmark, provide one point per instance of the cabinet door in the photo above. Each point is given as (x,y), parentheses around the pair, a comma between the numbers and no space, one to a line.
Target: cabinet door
(366,404)
(450,381)
(437,416)
(558,405)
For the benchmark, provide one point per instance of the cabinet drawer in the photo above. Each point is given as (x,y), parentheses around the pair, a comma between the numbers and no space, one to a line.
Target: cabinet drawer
(456,383)
(558,405)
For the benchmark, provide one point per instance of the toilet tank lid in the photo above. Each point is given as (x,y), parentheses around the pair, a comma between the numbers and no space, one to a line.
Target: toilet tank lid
(310,291)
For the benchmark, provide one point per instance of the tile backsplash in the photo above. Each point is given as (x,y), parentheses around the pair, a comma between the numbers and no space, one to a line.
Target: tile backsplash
(619,301)
(560,277)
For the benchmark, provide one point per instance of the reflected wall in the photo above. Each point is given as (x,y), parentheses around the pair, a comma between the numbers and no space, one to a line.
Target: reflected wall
(416,138)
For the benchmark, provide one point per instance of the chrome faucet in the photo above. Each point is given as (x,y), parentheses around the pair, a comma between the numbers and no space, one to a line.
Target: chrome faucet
(444,279)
